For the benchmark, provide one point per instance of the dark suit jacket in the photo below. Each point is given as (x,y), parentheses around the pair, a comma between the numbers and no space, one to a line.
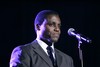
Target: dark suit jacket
(32,55)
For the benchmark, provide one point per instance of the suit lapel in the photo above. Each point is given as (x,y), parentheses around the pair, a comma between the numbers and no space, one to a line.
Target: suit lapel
(58,57)
(40,51)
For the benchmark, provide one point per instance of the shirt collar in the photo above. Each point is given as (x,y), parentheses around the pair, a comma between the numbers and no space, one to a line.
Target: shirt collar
(44,45)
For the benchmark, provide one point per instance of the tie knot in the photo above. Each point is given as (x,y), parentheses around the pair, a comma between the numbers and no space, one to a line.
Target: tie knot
(49,49)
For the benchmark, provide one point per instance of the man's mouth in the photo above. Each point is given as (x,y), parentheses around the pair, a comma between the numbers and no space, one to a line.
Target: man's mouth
(56,36)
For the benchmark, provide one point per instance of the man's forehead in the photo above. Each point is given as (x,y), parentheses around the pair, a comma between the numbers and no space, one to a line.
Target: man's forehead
(54,18)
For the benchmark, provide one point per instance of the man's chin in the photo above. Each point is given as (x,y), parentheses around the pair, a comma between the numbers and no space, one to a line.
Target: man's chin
(54,40)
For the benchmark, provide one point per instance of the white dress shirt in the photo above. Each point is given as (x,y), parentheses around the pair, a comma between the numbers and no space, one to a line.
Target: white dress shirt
(44,46)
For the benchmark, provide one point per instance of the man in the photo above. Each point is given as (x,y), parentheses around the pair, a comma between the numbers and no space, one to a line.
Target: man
(36,54)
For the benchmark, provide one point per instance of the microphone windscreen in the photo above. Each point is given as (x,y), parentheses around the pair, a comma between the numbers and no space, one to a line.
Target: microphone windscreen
(70,30)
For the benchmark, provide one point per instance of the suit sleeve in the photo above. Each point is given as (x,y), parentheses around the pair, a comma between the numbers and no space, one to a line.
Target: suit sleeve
(69,60)
(72,64)
(19,58)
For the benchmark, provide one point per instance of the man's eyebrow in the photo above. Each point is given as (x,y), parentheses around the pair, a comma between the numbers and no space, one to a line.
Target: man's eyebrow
(59,24)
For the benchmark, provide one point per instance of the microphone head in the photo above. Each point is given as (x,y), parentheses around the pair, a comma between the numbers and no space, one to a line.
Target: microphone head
(70,30)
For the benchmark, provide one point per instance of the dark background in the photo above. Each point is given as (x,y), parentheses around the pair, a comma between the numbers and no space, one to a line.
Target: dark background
(16,28)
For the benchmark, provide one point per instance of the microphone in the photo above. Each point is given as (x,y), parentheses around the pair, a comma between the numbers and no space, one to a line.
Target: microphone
(72,32)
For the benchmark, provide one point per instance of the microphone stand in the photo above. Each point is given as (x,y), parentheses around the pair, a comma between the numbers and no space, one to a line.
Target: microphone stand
(80,51)
(79,47)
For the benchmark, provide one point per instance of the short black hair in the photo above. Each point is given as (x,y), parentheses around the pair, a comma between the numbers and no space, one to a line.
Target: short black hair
(43,15)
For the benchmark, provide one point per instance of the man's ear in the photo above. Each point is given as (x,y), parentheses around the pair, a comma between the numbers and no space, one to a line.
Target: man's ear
(37,26)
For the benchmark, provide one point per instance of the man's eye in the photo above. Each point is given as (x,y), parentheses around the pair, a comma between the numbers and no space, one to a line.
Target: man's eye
(50,24)
(59,26)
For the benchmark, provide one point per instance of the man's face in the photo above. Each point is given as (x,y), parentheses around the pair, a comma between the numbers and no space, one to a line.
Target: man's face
(50,28)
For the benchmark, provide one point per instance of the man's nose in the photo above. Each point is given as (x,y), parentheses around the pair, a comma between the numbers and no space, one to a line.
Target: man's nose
(57,29)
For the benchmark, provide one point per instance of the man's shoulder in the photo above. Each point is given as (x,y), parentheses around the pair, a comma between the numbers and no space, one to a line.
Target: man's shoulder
(27,46)
(63,54)
(21,48)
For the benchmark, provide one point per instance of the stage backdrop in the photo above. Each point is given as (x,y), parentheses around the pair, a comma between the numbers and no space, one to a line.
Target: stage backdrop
(16,28)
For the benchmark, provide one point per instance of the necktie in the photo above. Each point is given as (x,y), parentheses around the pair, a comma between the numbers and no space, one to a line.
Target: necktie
(50,50)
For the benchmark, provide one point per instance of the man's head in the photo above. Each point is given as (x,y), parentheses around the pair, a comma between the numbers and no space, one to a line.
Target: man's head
(47,25)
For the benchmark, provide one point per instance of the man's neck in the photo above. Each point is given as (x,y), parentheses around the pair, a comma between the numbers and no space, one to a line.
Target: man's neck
(47,42)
